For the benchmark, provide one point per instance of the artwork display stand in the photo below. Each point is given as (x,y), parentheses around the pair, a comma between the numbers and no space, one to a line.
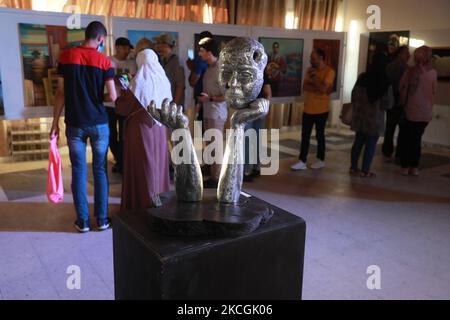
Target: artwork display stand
(265,264)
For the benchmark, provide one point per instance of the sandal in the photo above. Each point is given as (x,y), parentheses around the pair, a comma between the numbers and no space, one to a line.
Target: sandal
(354,172)
(369,175)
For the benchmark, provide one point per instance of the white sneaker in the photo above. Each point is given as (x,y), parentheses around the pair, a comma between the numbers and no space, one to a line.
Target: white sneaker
(299,166)
(319,164)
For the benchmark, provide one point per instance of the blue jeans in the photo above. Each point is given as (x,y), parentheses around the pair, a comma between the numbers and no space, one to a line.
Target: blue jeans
(370,143)
(77,141)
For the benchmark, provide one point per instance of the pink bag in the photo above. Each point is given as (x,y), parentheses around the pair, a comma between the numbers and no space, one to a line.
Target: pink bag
(55,189)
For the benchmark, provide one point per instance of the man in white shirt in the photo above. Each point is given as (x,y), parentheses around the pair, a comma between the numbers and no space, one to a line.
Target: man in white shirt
(215,110)
(122,65)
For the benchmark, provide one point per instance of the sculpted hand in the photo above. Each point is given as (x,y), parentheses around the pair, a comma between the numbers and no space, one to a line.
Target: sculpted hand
(170,115)
(258,109)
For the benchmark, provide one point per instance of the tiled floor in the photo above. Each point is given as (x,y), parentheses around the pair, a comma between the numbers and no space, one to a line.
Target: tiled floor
(400,224)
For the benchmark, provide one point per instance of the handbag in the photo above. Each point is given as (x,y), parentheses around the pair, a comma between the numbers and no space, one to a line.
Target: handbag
(55,188)
(346,115)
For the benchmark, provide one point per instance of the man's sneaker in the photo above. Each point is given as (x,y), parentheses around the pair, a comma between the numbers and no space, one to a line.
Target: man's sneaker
(299,166)
(103,224)
(319,164)
(82,226)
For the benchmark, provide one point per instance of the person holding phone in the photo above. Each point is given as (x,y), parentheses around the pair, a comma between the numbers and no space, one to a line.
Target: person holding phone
(123,66)
(318,85)
(146,156)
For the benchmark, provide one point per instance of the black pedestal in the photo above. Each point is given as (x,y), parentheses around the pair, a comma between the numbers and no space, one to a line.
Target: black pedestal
(266,264)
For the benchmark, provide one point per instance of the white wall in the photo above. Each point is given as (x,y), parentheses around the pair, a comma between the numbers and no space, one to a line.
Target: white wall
(402,14)
(428,20)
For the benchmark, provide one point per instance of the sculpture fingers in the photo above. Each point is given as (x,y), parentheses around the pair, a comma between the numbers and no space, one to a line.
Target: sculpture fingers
(154,112)
(165,112)
(260,106)
(173,115)
(182,119)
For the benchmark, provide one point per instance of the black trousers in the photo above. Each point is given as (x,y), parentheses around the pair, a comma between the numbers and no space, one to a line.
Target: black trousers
(309,121)
(116,135)
(411,143)
(394,117)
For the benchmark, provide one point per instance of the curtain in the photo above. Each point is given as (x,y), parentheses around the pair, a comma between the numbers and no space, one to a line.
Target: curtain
(18,4)
(179,10)
(308,14)
(267,13)
(316,14)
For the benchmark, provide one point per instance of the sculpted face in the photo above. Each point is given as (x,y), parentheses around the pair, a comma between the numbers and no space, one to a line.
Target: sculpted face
(242,63)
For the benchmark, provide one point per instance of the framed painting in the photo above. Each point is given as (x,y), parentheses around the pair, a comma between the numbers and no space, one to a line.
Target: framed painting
(284,66)
(441,62)
(332,49)
(41,46)
(135,35)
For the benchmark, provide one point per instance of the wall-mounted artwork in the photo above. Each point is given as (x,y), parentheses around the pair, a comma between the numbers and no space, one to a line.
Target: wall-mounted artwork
(441,62)
(332,50)
(2,105)
(284,67)
(387,43)
(135,35)
(41,46)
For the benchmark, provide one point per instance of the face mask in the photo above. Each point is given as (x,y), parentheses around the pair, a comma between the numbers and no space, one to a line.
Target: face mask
(101,47)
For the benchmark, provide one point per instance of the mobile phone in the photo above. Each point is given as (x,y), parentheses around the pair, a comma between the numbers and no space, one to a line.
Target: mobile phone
(191,54)
(124,81)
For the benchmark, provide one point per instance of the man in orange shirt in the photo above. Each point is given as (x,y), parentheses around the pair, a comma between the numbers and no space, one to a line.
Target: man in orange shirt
(317,86)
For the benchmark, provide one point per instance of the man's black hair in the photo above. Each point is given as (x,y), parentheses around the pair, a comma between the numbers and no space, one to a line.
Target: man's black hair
(321,53)
(94,30)
(206,34)
(210,45)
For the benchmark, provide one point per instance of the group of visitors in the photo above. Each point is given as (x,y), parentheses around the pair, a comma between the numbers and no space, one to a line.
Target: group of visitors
(132,78)
(405,94)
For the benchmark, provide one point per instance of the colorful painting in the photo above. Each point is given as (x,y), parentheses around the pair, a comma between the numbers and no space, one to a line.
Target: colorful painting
(41,46)
(284,67)
(441,62)
(2,105)
(332,50)
(387,43)
(135,35)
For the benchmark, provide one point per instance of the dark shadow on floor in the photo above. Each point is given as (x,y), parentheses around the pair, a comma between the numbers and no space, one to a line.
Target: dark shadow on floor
(41,217)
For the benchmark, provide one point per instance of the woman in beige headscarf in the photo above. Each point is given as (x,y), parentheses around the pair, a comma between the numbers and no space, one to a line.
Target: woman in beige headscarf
(145,171)
(417,89)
